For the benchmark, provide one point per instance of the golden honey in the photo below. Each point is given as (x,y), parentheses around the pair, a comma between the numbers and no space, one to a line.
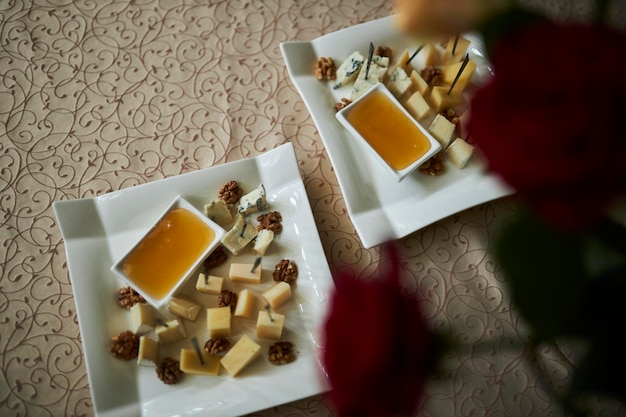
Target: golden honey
(167,252)
(390,132)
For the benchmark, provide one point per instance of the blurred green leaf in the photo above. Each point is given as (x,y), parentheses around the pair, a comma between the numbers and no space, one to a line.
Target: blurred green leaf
(545,272)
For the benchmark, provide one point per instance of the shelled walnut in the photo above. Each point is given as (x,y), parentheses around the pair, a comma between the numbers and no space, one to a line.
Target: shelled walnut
(216,258)
(325,69)
(270,221)
(227,298)
(216,345)
(285,270)
(434,166)
(230,192)
(127,297)
(281,353)
(169,371)
(384,51)
(432,75)
(341,104)
(125,345)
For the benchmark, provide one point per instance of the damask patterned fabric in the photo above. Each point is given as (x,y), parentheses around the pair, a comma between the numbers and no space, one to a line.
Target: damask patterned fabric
(96,96)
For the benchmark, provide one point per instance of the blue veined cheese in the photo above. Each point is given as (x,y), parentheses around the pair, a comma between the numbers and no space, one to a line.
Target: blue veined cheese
(349,69)
(377,71)
(253,201)
(218,211)
(262,242)
(399,82)
(239,235)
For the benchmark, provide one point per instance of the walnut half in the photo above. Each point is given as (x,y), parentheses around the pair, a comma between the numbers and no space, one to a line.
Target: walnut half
(125,345)
(285,270)
(325,69)
(169,371)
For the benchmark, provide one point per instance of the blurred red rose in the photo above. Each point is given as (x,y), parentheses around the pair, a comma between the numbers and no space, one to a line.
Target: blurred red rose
(379,349)
(550,122)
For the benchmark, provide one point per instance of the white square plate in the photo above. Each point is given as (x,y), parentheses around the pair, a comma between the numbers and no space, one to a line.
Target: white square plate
(98,231)
(380,208)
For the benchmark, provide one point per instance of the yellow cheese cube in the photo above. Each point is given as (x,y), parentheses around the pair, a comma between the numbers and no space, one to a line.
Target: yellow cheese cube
(218,321)
(243,273)
(183,308)
(269,325)
(459,49)
(141,318)
(240,355)
(402,61)
(419,84)
(417,106)
(460,152)
(449,73)
(171,332)
(440,100)
(442,129)
(190,363)
(246,304)
(209,284)
(148,354)
(277,295)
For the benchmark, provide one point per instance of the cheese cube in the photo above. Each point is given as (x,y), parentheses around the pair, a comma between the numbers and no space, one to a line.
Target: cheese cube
(440,100)
(375,74)
(419,84)
(254,201)
(218,321)
(243,273)
(148,354)
(246,304)
(399,83)
(460,152)
(209,284)
(141,318)
(417,106)
(269,325)
(277,295)
(459,49)
(442,129)
(348,70)
(240,355)
(262,241)
(218,211)
(402,61)
(190,363)
(183,308)
(449,73)
(171,332)
(238,237)
(430,55)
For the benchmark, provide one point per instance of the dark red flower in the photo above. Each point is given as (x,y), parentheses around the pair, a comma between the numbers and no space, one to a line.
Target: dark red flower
(550,122)
(379,349)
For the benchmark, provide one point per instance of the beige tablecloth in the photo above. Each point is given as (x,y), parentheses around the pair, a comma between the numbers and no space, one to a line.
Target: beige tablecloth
(97,96)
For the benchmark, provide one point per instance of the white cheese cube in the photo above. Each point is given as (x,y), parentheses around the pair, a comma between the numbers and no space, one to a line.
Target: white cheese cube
(460,152)
(253,201)
(399,83)
(141,318)
(455,52)
(263,241)
(171,332)
(148,354)
(209,284)
(277,295)
(240,355)
(348,70)
(218,211)
(190,363)
(243,273)
(442,130)
(419,84)
(218,321)
(269,325)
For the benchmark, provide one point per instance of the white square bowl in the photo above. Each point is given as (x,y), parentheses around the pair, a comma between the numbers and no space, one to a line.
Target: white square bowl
(343,116)
(179,202)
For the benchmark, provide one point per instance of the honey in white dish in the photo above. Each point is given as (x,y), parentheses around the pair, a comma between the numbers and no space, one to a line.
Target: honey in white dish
(167,252)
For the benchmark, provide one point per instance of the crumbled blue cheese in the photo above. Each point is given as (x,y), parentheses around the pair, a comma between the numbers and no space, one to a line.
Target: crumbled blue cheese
(218,211)
(399,83)
(348,70)
(253,201)
(375,74)
(239,235)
